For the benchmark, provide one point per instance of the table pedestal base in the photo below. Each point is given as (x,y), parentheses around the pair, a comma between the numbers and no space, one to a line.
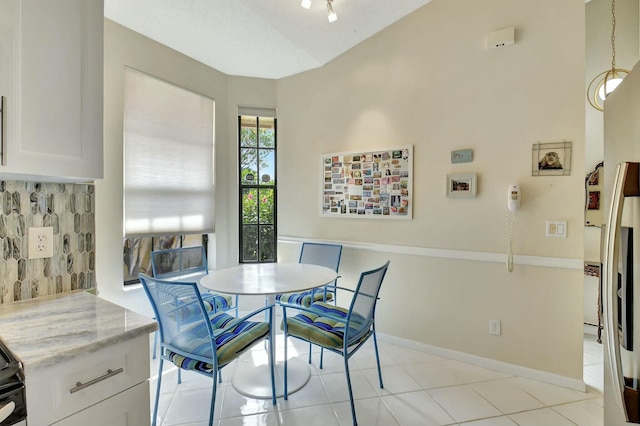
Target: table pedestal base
(254,381)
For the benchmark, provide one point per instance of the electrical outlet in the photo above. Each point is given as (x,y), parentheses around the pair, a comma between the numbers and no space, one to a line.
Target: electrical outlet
(40,242)
(494,327)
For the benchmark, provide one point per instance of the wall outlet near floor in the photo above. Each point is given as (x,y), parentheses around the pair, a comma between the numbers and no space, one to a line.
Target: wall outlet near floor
(40,242)
(494,327)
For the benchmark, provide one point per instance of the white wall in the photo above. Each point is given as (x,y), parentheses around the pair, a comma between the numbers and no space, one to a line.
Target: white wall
(429,81)
(598,59)
(242,91)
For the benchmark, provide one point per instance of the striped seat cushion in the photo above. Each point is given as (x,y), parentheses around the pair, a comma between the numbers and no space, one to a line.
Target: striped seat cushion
(325,326)
(230,343)
(304,298)
(190,310)
(220,301)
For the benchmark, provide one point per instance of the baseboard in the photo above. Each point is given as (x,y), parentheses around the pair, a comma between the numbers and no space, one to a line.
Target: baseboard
(502,367)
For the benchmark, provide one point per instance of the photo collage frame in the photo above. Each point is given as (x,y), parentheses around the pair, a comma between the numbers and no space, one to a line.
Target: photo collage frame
(368,184)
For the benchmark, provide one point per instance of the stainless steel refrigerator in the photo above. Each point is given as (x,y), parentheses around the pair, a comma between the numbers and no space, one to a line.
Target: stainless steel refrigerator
(621,254)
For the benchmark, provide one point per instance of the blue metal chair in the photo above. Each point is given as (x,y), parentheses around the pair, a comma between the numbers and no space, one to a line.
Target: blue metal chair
(320,254)
(315,254)
(188,264)
(198,339)
(337,329)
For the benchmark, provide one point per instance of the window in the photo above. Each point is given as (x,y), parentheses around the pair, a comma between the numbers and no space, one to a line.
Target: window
(258,189)
(137,252)
(168,165)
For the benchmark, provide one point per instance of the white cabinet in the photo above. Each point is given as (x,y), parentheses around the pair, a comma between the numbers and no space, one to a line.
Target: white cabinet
(51,76)
(122,409)
(107,387)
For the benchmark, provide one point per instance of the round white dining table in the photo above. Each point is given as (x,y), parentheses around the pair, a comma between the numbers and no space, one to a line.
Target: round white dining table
(251,376)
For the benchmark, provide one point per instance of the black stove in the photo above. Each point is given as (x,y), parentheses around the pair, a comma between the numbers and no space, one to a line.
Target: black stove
(13,406)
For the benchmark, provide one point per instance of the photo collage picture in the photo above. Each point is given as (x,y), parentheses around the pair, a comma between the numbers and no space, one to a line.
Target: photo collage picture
(375,184)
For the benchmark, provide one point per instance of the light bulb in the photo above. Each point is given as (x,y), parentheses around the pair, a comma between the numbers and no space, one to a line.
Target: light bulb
(331,14)
(306,4)
(610,87)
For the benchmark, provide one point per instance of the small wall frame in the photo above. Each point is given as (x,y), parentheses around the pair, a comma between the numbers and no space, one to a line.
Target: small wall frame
(461,185)
(551,159)
(594,183)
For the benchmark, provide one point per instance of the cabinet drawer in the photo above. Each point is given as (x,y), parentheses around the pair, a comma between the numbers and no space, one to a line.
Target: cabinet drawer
(71,386)
(129,408)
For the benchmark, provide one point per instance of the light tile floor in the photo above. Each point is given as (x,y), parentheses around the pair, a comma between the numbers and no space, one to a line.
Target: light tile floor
(419,389)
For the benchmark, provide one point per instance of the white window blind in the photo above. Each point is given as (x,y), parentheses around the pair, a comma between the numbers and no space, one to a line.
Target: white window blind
(168,158)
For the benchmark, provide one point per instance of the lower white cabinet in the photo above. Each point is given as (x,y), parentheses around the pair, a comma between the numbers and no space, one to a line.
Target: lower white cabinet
(109,386)
(128,408)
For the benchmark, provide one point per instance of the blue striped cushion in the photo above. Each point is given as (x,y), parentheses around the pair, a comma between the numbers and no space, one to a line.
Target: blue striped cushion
(325,326)
(230,343)
(304,298)
(220,301)
(190,310)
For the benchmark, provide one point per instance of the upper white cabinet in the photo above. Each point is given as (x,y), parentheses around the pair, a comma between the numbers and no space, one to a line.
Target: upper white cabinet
(51,78)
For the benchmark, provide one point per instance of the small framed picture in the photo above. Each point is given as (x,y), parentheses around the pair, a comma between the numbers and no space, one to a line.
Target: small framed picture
(551,159)
(594,200)
(461,185)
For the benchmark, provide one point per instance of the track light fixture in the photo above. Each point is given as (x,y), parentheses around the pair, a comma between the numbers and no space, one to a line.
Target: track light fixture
(331,14)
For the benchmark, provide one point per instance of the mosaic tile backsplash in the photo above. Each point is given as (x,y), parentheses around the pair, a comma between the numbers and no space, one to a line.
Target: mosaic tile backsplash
(69,209)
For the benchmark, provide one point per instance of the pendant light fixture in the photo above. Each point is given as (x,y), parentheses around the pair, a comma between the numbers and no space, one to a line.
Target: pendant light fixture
(306,4)
(606,82)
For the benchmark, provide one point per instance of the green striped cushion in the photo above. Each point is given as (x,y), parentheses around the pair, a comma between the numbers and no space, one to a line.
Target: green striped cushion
(304,298)
(325,326)
(230,343)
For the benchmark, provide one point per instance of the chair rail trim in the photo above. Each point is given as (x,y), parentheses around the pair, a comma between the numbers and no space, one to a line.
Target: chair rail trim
(550,262)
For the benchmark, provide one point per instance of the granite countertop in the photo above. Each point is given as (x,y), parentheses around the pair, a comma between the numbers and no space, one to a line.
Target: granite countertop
(51,329)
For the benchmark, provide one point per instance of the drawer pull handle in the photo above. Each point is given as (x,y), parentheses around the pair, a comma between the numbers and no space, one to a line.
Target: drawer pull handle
(109,373)
(3,131)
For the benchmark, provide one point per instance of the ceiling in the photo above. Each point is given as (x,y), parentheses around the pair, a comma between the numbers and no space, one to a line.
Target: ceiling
(258,38)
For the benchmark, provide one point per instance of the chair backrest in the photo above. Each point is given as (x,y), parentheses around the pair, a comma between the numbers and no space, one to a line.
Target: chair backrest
(363,305)
(321,254)
(182,319)
(179,263)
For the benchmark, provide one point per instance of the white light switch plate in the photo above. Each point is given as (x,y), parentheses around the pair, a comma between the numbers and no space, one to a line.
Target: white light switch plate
(557,228)
(40,242)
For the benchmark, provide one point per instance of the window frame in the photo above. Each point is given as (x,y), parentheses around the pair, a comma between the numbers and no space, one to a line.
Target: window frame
(180,145)
(257,186)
